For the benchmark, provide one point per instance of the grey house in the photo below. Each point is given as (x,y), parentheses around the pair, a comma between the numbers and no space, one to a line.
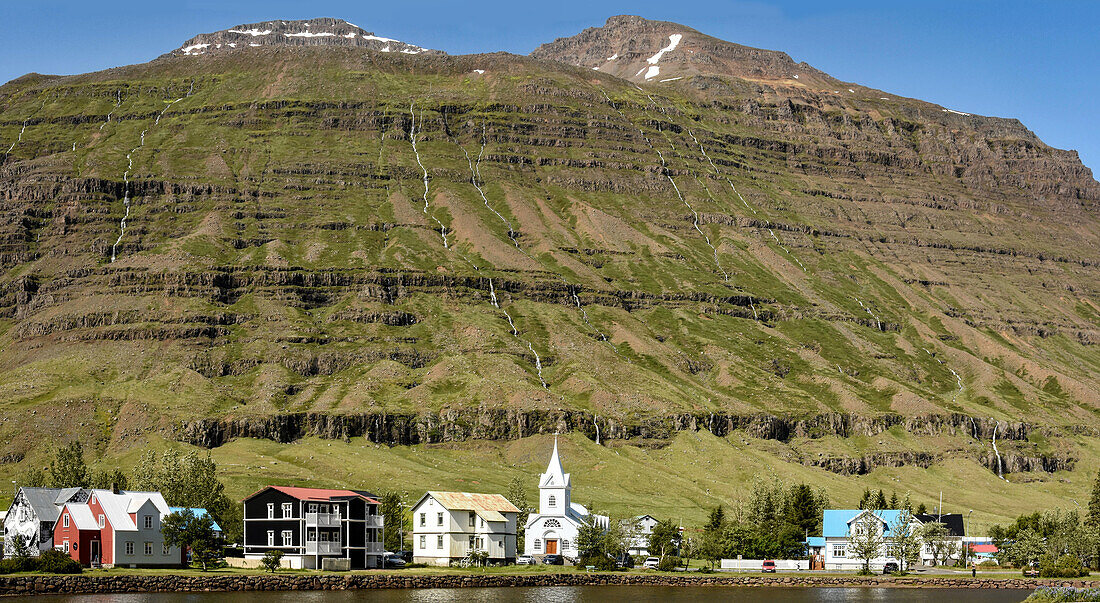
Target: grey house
(33,514)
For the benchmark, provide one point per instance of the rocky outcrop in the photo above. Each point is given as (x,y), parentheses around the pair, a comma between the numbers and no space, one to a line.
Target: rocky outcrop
(308,32)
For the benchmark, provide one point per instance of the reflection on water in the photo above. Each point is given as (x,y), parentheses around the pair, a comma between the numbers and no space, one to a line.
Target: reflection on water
(569,594)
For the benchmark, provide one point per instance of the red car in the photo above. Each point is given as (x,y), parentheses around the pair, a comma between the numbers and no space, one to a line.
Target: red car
(769,567)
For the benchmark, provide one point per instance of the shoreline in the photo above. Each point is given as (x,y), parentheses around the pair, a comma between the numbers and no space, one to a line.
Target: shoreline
(166,583)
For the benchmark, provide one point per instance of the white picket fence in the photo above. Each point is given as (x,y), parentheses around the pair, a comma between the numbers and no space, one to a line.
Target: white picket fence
(755,565)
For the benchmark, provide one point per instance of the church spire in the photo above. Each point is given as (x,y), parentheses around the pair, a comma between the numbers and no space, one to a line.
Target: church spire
(555,475)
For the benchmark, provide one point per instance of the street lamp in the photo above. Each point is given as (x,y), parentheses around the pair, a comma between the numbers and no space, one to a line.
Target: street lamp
(967,534)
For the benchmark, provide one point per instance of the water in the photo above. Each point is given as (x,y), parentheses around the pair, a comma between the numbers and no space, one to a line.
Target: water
(570,594)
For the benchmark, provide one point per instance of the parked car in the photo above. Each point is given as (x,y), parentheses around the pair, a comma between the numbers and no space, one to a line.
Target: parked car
(768,567)
(393,560)
(553,560)
(525,560)
(652,563)
(890,568)
(624,561)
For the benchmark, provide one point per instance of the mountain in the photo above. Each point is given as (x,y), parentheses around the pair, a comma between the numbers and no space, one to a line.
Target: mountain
(330,263)
(309,32)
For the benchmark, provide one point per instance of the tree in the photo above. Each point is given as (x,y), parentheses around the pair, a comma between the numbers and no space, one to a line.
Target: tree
(665,538)
(33,478)
(1024,549)
(189,480)
(616,538)
(921,509)
(67,469)
(1093,517)
(517,494)
(716,520)
(801,509)
(865,501)
(879,502)
(907,504)
(710,547)
(905,540)
(894,502)
(109,478)
(272,560)
(394,520)
(186,530)
(866,539)
(938,539)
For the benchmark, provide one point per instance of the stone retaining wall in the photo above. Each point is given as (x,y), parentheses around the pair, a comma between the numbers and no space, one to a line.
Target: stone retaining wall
(167,582)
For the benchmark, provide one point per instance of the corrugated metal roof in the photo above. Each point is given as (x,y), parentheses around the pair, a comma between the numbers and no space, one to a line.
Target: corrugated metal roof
(82,517)
(42,502)
(470,501)
(321,494)
(836,521)
(492,516)
(815,541)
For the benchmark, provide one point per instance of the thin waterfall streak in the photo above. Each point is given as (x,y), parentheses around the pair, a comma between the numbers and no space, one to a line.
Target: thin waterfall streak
(412,140)
(695,223)
(130,166)
(538,365)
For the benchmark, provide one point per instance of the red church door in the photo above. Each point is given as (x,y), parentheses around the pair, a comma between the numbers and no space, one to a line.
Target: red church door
(551,547)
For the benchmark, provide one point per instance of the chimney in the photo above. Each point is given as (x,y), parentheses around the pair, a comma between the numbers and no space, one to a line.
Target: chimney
(114,487)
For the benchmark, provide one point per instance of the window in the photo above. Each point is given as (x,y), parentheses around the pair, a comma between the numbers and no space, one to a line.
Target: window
(311,535)
(483,522)
(102,521)
(271,510)
(312,507)
(471,542)
(423,519)
(148,549)
(439,519)
(66,546)
(65,523)
(148,522)
(552,523)
(538,544)
(472,516)
(439,542)
(423,541)
(564,544)
(288,510)
(271,538)
(288,538)
(552,501)
(165,549)
(129,548)
(324,536)
(840,550)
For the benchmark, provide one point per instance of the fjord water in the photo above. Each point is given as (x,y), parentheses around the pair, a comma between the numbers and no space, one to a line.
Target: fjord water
(573,594)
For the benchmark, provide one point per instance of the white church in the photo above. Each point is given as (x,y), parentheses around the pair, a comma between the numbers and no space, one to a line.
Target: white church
(553,530)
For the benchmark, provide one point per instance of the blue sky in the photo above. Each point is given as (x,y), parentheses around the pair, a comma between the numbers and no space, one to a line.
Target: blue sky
(1038,61)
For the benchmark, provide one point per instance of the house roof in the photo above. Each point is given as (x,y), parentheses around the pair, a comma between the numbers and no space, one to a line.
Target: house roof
(817,541)
(42,502)
(836,522)
(953,521)
(984,548)
(470,501)
(82,517)
(137,499)
(198,512)
(115,508)
(319,494)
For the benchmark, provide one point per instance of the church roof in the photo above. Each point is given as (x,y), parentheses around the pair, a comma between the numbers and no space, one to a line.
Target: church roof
(555,476)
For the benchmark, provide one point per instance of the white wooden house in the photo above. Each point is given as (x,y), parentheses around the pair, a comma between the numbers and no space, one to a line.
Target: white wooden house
(448,526)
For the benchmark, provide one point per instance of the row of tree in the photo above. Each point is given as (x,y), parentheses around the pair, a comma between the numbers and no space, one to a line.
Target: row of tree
(184,479)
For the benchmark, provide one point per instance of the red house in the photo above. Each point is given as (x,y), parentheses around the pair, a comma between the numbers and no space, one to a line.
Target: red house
(116,529)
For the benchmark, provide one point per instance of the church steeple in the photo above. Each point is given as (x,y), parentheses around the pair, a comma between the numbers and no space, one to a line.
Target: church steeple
(554,486)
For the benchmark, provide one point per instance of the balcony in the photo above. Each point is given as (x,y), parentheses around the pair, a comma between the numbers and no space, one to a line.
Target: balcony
(324,548)
(374,547)
(323,520)
(374,521)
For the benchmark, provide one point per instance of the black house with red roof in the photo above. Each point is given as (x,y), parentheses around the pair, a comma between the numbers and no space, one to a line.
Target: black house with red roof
(310,525)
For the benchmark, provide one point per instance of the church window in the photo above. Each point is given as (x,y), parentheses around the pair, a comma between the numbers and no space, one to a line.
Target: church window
(552,501)
(552,523)
(564,544)
(538,544)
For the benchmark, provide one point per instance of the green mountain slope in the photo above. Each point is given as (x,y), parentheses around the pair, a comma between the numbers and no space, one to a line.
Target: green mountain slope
(346,242)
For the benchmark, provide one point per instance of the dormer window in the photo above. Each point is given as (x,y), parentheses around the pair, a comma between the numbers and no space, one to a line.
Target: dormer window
(552,501)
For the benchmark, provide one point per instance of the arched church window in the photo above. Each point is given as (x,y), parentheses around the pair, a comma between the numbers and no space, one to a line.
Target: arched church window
(552,501)
(552,523)
(538,544)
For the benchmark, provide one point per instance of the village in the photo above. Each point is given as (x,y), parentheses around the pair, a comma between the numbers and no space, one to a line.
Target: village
(304,528)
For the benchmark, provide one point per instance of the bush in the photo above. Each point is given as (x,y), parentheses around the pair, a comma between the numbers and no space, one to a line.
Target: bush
(57,562)
(272,560)
(669,564)
(1067,566)
(1063,594)
(989,563)
(13,565)
(600,562)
